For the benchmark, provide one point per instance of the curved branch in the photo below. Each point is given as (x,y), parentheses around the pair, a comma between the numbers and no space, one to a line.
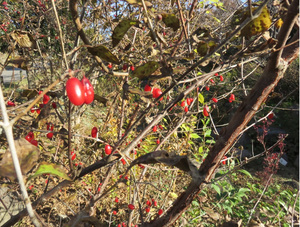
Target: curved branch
(76,19)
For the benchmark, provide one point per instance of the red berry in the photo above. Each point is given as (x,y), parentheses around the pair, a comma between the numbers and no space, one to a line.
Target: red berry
(10,103)
(46,99)
(147,209)
(147,88)
(216,74)
(221,78)
(110,65)
(32,109)
(75,91)
(30,187)
(50,135)
(156,92)
(107,149)
(38,111)
(182,103)
(207,88)
(160,126)
(224,161)
(116,199)
(115,212)
(214,100)
(56,37)
(123,161)
(88,90)
(186,109)
(73,156)
(271,116)
(94,132)
(148,203)
(206,111)
(158,141)
(160,211)
(54,105)
(131,207)
(119,225)
(154,128)
(34,142)
(188,101)
(231,98)
(132,68)
(154,202)
(30,136)
(212,81)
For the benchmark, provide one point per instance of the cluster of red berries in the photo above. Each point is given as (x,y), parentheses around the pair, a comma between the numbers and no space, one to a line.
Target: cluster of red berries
(5,5)
(186,103)
(80,92)
(3,26)
(30,138)
(50,127)
(46,99)
(156,92)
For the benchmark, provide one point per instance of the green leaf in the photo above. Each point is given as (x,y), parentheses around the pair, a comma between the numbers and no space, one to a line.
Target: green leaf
(217,189)
(201,98)
(202,48)
(210,141)
(200,150)
(246,173)
(194,136)
(144,71)
(46,168)
(104,53)
(121,30)
(207,133)
(171,21)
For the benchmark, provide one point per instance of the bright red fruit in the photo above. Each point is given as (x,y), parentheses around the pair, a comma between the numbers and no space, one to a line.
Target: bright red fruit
(123,161)
(224,161)
(186,109)
(116,199)
(132,68)
(188,101)
(88,90)
(148,203)
(115,212)
(154,202)
(160,211)
(231,98)
(75,91)
(73,155)
(30,136)
(32,109)
(94,132)
(10,103)
(147,209)
(182,103)
(160,126)
(206,111)
(271,116)
(158,141)
(34,142)
(212,81)
(221,78)
(46,99)
(154,129)
(214,100)
(131,207)
(216,74)
(156,92)
(107,149)
(147,88)
(50,135)
(110,65)
(207,88)
(38,111)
